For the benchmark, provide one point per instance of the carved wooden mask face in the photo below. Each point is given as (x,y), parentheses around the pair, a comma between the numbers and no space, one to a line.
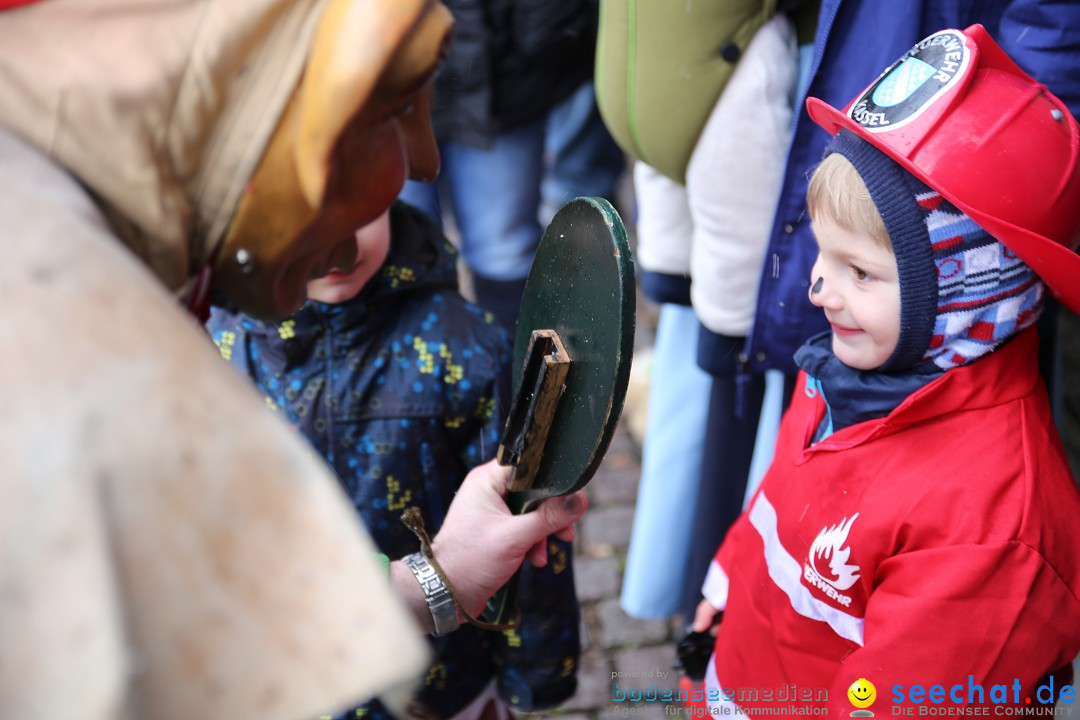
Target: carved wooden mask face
(357,126)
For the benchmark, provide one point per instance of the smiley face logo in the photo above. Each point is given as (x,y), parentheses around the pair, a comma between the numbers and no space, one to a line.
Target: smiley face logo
(862,694)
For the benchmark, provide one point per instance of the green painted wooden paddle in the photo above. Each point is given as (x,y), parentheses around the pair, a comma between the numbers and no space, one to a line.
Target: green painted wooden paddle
(581,286)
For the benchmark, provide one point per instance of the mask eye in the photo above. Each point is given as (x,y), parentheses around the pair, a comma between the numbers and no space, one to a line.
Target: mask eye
(403,110)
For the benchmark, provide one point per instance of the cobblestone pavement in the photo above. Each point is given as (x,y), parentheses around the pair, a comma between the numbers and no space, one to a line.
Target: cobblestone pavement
(614,642)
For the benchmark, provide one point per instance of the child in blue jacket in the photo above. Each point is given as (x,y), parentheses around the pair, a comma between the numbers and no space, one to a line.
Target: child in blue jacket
(400,384)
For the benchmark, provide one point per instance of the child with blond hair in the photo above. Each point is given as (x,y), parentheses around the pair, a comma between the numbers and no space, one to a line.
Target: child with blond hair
(916,532)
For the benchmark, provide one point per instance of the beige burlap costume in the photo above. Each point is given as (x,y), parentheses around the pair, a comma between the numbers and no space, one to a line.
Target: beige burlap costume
(168,547)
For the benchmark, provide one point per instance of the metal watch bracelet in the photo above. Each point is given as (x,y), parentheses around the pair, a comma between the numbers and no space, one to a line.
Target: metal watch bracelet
(439,600)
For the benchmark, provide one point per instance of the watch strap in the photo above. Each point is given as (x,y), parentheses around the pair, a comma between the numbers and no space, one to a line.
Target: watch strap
(437,595)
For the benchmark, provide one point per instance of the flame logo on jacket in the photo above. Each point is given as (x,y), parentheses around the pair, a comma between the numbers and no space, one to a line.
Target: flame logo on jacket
(828,547)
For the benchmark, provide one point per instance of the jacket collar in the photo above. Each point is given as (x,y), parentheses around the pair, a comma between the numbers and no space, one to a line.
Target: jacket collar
(853,396)
(1005,375)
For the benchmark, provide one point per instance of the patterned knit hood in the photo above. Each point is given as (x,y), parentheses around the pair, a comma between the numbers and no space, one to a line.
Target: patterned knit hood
(962,292)
(962,295)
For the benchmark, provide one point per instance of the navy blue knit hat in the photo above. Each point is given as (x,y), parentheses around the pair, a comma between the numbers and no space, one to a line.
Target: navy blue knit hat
(962,293)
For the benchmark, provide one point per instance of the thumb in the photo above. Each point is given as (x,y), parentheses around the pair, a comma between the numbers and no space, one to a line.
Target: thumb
(482,478)
(556,514)
(704,615)
(495,475)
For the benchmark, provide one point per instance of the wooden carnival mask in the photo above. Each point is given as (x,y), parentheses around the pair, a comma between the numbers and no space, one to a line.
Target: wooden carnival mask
(356,127)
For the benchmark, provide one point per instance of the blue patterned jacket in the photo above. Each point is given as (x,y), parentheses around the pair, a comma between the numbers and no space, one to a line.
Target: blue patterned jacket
(399,389)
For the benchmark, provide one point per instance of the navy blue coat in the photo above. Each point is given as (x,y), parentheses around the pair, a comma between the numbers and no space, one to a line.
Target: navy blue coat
(855,41)
(511,62)
(398,390)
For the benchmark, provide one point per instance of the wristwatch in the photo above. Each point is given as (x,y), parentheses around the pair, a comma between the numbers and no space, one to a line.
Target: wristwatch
(439,600)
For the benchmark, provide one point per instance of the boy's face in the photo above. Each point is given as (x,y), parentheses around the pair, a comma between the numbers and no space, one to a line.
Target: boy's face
(860,294)
(372,246)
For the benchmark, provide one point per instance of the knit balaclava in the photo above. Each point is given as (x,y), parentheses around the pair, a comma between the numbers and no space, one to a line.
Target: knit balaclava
(962,293)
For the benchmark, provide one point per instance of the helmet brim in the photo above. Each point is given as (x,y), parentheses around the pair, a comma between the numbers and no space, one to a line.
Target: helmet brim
(1055,264)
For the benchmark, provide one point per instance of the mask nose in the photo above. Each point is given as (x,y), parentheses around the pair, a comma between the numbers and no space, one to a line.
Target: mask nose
(418,138)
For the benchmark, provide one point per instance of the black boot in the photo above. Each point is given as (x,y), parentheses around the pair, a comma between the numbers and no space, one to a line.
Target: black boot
(502,298)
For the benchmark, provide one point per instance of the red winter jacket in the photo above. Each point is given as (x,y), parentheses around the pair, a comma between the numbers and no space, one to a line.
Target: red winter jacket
(934,544)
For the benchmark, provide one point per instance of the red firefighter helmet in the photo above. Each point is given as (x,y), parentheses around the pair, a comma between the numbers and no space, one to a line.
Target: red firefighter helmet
(960,115)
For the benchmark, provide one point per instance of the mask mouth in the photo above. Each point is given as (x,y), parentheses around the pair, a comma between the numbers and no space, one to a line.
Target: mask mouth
(341,257)
(336,273)
(338,263)
(284,284)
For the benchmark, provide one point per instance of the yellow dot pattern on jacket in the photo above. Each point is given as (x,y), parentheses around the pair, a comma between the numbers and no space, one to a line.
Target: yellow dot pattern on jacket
(393,487)
(451,372)
(225,344)
(398,275)
(436,676)
(485,407)
(557,558)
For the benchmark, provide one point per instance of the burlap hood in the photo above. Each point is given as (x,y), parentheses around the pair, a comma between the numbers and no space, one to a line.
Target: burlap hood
(168,547)
(161,109)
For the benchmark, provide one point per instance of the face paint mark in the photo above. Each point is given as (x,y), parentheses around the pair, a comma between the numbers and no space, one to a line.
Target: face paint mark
(817,286)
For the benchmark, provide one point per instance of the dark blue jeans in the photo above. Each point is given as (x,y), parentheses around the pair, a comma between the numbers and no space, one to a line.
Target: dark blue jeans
(499,196)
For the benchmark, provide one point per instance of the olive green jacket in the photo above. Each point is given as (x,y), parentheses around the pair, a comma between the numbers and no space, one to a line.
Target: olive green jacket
(660,67)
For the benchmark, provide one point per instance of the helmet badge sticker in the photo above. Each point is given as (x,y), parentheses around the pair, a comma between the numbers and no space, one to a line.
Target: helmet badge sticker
(913,83)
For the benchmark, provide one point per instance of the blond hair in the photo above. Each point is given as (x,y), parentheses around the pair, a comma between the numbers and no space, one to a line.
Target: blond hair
(836,191)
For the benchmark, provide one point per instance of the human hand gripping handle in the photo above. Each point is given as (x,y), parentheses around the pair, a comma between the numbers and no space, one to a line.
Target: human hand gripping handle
(482,544)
